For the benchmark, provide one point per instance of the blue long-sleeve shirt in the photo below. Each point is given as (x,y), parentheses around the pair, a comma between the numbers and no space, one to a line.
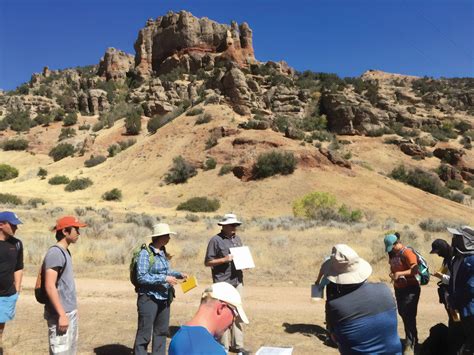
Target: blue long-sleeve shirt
(152,281)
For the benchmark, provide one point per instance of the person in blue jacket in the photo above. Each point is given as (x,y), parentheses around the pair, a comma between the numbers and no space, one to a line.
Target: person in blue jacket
(361,316)
(461,283)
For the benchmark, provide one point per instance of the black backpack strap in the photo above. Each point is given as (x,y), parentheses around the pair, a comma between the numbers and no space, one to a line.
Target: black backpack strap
(60,273)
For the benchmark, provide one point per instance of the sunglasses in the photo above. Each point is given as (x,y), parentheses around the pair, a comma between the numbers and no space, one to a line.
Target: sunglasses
(233,309)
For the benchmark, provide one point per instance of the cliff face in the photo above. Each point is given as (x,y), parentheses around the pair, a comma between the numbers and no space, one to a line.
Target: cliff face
(181,34)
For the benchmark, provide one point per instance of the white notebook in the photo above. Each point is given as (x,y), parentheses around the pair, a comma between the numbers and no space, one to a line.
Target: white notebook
(242,258)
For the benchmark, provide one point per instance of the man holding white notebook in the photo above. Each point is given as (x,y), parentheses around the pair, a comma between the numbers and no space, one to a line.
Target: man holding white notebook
(220,260)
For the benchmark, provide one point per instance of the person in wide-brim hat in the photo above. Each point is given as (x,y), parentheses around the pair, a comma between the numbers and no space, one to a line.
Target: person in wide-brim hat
(345,266)
(155,280)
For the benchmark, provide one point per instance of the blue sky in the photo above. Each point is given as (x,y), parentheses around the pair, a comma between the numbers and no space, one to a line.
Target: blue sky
(347,37)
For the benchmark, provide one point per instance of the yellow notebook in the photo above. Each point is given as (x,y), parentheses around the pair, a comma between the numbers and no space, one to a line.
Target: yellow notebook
(189,284)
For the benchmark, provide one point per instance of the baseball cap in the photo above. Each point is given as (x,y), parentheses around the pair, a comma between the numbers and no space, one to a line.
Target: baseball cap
(10,217)
(389,240)
(68,221)
(227,293)
(437,245)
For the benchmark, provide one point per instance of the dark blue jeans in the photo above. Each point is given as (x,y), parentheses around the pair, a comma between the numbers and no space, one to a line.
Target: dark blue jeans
(407,303)
(153,319)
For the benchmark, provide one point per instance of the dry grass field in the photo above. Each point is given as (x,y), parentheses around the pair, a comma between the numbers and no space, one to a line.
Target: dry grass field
(280,315)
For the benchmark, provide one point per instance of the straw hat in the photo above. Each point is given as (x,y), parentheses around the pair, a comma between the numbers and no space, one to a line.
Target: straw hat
(346,267)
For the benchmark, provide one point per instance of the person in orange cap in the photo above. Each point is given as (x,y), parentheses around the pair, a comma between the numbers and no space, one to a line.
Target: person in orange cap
(60,311)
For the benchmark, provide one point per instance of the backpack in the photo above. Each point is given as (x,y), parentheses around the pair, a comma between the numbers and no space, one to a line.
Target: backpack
(40,291)
(464,243)
(133,263)
(423,275)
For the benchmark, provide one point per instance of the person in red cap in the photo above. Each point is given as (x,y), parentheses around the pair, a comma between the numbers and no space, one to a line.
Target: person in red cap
(60,311)
(11,268)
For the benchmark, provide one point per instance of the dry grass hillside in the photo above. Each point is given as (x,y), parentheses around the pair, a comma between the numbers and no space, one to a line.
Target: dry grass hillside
(139,171)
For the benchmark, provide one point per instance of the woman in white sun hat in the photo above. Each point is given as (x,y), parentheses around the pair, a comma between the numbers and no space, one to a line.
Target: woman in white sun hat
(155,281)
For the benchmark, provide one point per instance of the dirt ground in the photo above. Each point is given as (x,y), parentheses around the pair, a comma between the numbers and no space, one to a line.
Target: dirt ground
(280,315)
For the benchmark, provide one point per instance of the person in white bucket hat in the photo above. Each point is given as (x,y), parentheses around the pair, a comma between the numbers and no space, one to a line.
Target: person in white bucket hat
(220,307)
(219,259)
(361,317)
(154,285)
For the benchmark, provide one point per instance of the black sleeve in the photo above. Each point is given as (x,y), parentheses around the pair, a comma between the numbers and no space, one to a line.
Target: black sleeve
(19,258)
(211,252)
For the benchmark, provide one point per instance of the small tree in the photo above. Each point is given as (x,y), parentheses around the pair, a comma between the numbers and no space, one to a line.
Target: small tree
(19,121)
(42,173)
(180,172)
(133,123)
(78,184)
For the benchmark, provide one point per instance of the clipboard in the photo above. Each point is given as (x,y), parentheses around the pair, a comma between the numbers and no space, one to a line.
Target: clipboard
(189,284)
(242,258)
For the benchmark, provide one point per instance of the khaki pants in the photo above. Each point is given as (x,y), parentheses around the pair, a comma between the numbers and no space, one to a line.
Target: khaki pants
(234,336)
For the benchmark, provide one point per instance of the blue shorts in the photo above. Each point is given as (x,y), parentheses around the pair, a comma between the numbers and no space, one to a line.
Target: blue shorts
(7,307)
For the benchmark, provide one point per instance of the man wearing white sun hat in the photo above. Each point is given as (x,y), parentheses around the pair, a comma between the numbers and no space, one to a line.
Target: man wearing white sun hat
(219,259)
(361,317)
(220,307)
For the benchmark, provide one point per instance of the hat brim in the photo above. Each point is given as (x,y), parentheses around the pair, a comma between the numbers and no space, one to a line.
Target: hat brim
(242,315)
(454,231)
(362,273)
(434,251)
(76,225)
(162,234)
(238,223)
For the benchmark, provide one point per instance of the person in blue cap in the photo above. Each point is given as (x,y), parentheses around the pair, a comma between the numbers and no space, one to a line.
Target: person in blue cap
(11,268)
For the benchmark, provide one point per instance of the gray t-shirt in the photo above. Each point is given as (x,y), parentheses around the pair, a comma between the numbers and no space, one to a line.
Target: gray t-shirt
(217,248)
(60,259)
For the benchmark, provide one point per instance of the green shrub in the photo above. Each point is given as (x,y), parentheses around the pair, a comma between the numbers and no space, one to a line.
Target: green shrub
(113,150)
(42,173)
(206,118)
(180,172)
(194,111)
(43,119)
(456,197)
(19,121)
(210,164)
(94,160)
(454,185)
(15,144)
(9,199)
(158,121)
(322,136)
(173,75)
(468,191)
(431,225)
(3,125)
(126,144)
(281,123)
(211,142)
(225,169)
(59,180)
(7,172)
(275,162)
(84,127)
(62,151)
(199,204)
(133,122)
(34,202)
(420,179)
(315,205)
(98,126)
(323,206)
(67,132)
(112,195)
(78,184)
(70,119)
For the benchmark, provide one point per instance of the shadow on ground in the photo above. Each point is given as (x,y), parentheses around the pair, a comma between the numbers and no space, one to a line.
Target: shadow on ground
(113,349)
(310,330)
